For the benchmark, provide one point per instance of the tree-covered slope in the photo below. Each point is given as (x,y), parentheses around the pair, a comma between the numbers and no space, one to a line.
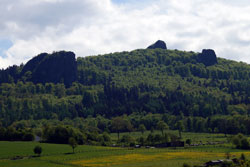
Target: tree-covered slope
(141,81)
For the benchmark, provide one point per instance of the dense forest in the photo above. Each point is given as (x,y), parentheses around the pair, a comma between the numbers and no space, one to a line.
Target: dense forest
(143,87)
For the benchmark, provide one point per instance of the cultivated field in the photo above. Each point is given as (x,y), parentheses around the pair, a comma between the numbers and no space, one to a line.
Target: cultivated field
(55,155)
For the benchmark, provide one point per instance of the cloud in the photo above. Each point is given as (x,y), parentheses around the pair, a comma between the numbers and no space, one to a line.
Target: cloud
(90,27)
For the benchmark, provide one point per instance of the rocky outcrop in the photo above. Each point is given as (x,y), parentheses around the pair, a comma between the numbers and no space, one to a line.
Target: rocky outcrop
(59,67)
(207,57)
(158,44)
(33,63)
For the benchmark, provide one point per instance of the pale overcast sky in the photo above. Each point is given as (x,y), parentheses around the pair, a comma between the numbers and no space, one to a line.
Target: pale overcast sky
(91,27)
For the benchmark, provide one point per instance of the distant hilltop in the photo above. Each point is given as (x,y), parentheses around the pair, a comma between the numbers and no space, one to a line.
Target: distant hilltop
(155,80)
(207,57)
(61,67)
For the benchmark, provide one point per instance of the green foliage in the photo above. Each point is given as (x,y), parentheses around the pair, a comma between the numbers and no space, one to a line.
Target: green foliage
(243,157)
(38,150)
(161,125)
(240,141)
(188,141)
(61,134)
(73,143)
(186,165)
(142,128)
(141,141)
(180,127)
(118,124)
(15,134)
(127,140)
(147,85)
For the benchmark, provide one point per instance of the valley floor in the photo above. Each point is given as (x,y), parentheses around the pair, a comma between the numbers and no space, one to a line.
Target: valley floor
(55,155)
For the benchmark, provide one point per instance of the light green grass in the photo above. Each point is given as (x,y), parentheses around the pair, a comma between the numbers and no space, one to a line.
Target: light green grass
(11,149)
(55,155)
(195,137)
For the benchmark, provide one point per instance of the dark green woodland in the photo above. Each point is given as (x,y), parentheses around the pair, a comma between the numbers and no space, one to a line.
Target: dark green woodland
(141,87)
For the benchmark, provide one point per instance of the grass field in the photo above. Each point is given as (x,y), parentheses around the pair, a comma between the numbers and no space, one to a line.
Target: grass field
(195,137)
(54,155)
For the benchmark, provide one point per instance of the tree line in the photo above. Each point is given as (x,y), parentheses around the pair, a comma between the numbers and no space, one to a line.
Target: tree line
(169,83)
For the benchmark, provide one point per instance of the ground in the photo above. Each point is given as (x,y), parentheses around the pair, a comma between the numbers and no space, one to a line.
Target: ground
(55,155)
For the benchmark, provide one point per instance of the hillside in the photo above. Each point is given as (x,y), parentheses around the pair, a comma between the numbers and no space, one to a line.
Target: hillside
(155,80)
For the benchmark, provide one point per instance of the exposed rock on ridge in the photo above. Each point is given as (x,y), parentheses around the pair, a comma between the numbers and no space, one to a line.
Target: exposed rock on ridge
(207,57)
(59,67)
(158,44)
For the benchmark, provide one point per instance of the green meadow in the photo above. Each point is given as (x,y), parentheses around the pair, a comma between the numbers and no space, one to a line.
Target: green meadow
(195,137)
(55,155)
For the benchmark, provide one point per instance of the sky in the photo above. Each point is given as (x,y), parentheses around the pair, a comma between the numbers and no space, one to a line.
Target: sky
(93,27)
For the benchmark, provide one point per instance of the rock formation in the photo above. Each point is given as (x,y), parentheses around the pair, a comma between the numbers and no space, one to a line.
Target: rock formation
(59,67)
(207,57)
(158,44)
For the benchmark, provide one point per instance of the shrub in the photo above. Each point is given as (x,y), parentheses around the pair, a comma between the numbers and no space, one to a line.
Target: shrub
(73,143)
(243,157)
(38,150)
(241,142)
(188,141)
(186,165)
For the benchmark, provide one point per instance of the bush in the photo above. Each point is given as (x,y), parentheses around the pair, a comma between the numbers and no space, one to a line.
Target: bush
(245,143)
(106,137)
(188,141)
(73,143)
(227,164)
(186,165)
(241,142)
(243,157)
(61,134)
(28,137)
(132,144)
(127,139)
(141,141)
(38,150)
(150,139)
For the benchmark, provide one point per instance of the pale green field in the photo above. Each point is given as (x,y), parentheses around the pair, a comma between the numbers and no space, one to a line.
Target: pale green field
(195,137)
(94,156)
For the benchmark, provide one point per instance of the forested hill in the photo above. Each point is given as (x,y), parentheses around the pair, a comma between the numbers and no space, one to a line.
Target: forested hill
(153,80)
